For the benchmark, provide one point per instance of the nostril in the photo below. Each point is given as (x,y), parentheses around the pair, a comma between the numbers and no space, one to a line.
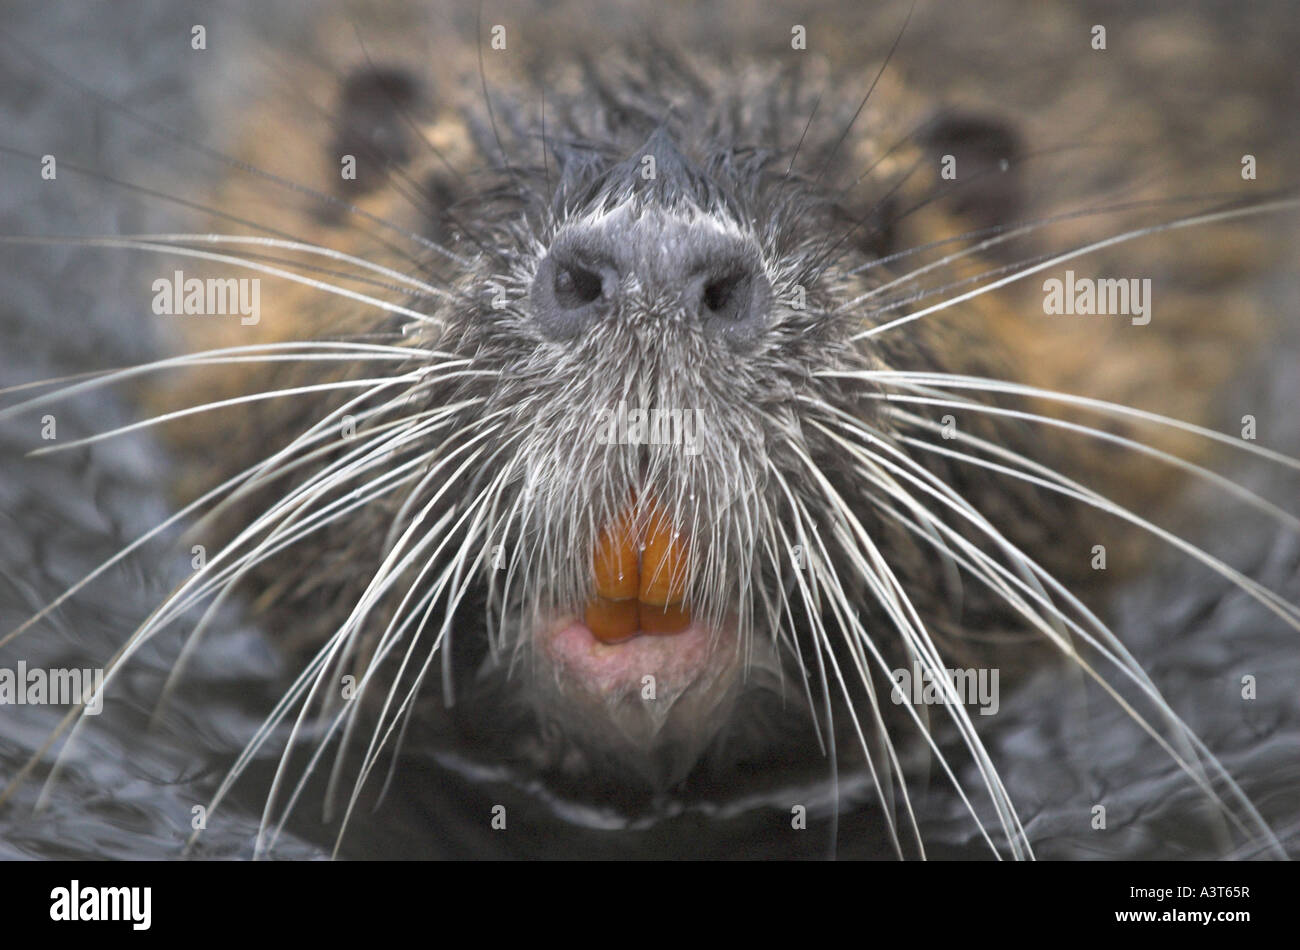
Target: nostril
(720,297)
(570,293)
(732,297)
(575,286)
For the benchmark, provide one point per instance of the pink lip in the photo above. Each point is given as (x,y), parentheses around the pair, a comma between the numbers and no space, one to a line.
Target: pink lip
(603,667)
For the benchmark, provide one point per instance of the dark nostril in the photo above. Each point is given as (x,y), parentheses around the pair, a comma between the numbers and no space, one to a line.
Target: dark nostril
(571,292)
(721,296)
(651,268)
(733,299)
(575,286)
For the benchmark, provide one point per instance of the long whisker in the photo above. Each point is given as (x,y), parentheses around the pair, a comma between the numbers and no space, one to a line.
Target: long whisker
(248,353)
(1128,666)
(986,384)
(424,287)
(1187,222)
(328,652)
(243,262)
(366,457)
(905,627)
(996,234)
(1246,495)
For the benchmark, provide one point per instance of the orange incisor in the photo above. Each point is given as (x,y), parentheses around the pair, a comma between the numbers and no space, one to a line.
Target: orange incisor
(640,578)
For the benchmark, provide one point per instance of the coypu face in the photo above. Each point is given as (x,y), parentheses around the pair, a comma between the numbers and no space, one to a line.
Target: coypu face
(665,507)
(662,452)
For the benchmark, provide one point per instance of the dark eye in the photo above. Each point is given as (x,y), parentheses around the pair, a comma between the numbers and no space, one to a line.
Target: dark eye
(575,286)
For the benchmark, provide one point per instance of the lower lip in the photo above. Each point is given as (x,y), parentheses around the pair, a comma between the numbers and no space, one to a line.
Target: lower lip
(601,667)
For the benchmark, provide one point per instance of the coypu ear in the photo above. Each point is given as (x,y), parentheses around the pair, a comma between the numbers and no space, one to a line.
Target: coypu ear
(874,231)
(383,118)
(376,125)
(376,118)
(976,158)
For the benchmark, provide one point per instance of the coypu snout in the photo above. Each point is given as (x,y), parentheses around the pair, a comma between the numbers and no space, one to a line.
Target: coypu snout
(654,250)
(697,270)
